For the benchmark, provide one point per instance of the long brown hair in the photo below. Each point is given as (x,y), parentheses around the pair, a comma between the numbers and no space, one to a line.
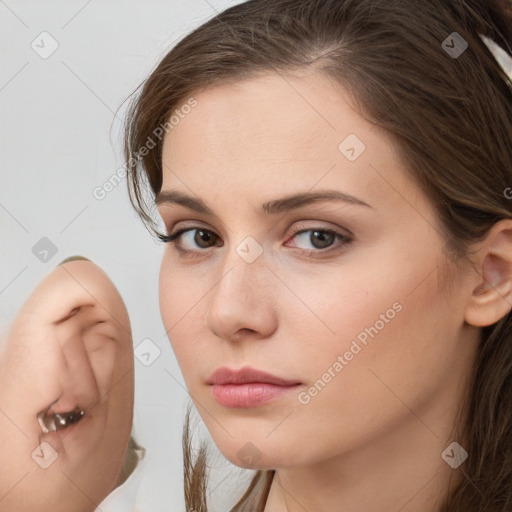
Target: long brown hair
(451,119)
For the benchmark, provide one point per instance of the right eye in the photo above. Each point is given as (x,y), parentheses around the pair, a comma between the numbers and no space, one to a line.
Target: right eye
(202,236)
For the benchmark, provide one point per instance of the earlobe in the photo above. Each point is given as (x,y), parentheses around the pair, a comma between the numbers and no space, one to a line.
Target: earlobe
(491,298)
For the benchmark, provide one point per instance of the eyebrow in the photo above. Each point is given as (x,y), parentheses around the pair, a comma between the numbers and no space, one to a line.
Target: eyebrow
(273,207)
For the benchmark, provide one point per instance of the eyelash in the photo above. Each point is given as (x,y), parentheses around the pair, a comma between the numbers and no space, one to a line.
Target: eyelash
(175,238)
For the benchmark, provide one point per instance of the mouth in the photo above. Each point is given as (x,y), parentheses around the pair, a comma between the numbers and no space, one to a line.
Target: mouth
(250,394)
(248,387)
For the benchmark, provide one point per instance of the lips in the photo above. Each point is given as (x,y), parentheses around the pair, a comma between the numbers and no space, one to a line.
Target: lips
(248,387)
(247,375)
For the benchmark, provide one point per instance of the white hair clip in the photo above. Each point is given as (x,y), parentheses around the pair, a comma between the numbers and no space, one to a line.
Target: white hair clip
(502,57)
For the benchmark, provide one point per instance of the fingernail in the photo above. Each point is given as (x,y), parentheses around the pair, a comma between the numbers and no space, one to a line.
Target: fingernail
(73,258)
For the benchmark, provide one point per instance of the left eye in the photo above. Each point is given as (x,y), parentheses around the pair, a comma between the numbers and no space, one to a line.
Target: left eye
(319,238)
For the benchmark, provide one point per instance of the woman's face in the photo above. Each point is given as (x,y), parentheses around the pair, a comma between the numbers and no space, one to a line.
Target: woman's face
(361,320)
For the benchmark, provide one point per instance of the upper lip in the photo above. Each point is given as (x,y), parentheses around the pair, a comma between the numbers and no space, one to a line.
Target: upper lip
(245,375)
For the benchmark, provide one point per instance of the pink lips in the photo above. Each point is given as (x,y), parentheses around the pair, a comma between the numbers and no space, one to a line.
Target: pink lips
(248,387)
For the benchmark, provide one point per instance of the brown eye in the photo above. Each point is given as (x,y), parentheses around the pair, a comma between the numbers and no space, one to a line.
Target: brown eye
(322,241)
(195,241)
(203,237)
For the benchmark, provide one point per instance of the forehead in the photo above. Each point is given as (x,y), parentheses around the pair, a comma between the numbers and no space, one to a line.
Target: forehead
(278,132)
(291,116)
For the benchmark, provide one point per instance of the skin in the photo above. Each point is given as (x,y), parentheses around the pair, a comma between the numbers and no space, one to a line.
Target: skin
(372,438)
(71,339)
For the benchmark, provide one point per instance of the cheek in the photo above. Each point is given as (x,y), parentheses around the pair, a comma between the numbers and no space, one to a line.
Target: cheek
(176,293)
(395,345)
(182,296)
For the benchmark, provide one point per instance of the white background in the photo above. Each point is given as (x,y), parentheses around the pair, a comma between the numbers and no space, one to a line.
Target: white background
(60,138)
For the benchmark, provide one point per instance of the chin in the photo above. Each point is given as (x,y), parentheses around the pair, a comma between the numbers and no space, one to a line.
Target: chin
(255,453)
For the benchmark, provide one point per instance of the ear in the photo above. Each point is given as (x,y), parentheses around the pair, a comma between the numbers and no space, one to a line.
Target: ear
(491,297)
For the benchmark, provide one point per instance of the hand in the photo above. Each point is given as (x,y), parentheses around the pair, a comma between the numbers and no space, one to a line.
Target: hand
(69,345)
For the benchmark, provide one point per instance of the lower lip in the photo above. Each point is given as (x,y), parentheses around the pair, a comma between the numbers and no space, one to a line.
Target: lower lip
(249,395)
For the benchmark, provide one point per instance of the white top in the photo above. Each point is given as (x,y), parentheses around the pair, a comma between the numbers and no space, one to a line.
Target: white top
(124,497)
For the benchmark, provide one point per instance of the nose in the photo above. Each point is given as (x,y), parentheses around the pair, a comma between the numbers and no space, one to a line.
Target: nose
(242,303)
